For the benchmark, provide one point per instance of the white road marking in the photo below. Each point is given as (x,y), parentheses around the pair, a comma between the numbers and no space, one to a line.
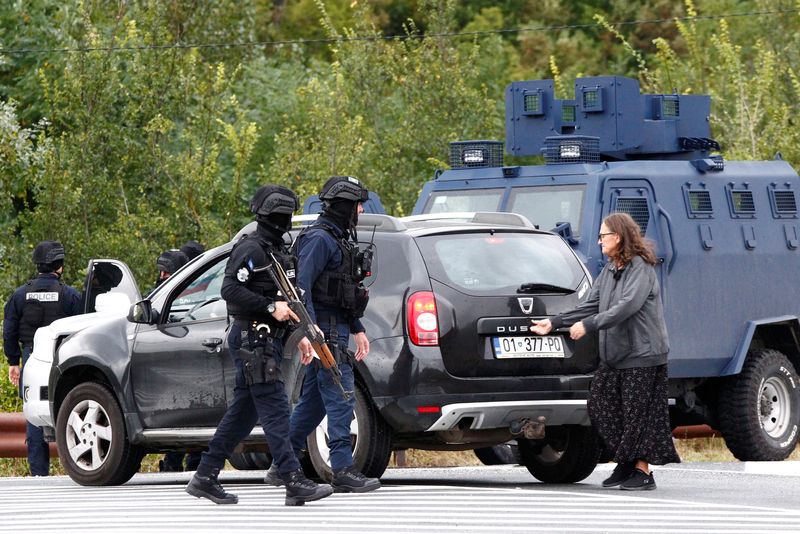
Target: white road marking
(400,509)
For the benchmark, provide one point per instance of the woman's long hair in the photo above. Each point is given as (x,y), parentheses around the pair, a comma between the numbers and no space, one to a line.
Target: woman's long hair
(631,242)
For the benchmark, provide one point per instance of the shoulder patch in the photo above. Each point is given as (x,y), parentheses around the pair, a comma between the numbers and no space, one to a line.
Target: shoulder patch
(243,275)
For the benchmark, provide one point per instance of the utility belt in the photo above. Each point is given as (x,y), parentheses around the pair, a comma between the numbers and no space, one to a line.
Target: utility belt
(258,352)
(260,328)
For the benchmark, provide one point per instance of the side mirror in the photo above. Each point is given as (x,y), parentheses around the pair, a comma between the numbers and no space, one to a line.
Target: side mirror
(142,312)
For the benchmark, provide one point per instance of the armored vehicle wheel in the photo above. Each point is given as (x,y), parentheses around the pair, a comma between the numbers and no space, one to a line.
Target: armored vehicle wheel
(504,453)
(92,442)
(369,434)
(566,454)
(760,408)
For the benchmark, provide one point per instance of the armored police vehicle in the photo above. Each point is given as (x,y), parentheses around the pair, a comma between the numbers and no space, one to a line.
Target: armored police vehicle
(726,232)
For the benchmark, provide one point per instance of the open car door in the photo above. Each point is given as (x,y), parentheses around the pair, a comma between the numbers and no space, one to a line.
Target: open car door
(109,286)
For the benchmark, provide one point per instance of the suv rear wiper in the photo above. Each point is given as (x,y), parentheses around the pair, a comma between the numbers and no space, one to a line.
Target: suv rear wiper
(543,288)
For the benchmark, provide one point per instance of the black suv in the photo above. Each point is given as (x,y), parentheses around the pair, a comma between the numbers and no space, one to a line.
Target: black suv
(452,364)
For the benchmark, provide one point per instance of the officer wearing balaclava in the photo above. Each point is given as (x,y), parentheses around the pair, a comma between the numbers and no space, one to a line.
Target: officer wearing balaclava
(260,327)
(330,271)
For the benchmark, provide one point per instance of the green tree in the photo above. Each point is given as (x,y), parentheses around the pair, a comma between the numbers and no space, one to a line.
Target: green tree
(149,148)
(743,67)
(385,108)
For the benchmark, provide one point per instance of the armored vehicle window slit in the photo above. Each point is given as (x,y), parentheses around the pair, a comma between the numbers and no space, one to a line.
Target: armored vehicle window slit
(549,206)
(637,208)
(698,204)
(784,203)
(741,203)
(464,200)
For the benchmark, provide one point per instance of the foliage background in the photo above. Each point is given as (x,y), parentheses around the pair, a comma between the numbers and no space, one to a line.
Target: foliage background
(127,128)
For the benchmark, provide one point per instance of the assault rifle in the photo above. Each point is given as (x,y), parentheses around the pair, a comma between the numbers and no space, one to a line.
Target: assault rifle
(306,325)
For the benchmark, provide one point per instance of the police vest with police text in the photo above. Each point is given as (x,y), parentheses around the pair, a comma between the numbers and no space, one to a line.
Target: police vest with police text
(43,305)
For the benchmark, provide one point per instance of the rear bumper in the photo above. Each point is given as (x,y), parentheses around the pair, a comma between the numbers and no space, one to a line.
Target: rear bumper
(490,415)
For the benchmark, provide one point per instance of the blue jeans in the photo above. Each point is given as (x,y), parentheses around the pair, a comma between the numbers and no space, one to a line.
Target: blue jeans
(265,403)
(322,396)
(38,450)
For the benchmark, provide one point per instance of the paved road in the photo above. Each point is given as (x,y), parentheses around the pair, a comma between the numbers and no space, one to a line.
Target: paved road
(690,498)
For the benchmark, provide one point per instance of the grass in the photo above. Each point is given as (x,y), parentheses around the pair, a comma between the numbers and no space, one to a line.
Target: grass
(690,450)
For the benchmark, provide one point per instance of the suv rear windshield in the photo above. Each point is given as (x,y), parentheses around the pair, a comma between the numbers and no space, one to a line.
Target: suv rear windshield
(461,200)
(499,262)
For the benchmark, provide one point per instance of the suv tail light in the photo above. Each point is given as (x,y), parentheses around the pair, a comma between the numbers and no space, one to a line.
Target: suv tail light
(423,325)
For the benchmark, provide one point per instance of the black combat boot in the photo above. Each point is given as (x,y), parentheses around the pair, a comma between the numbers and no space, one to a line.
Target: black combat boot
(300,490)
(350,480)
(210,488)
(273,478)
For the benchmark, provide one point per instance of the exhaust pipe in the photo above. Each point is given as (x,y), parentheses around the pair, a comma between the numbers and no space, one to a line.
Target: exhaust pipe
(528,429)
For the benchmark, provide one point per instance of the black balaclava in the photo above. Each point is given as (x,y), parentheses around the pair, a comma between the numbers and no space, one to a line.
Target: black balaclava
(342,212)
(274,225)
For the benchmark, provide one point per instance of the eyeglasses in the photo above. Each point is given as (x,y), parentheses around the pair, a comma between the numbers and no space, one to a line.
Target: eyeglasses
(601,235)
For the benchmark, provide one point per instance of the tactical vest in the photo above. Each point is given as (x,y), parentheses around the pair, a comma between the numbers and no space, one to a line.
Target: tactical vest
(341,287)
(261,283)
(43,305)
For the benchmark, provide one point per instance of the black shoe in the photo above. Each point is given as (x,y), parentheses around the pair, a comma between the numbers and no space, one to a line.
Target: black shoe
(349,480)
(210,488)
(621,473)
(300,490)
(273,478)
(639,481)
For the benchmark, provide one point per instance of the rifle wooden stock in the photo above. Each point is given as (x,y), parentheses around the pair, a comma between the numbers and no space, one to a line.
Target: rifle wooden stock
(305,324)
(325,355)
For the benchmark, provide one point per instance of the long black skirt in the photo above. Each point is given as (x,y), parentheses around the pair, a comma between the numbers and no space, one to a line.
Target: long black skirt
(629,410)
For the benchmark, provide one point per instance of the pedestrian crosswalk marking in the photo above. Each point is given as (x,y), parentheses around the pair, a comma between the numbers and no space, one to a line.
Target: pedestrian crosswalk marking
(392,509)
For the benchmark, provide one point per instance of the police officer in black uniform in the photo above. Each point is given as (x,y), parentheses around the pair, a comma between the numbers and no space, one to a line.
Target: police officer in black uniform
(330,271)
(255,340)
(168,263)
(37,303)
(192,249)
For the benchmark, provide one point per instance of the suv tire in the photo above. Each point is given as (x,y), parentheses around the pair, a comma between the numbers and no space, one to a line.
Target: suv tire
(370,437)
(759,408)
(567,454)
(90,416)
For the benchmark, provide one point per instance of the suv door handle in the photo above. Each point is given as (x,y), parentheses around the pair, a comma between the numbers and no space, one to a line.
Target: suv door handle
(212,342)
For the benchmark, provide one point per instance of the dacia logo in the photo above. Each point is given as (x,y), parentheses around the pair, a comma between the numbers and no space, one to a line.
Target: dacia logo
(525,304)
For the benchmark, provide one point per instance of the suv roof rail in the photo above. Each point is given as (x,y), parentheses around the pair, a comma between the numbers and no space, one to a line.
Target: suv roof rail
(382,223)
(482,217)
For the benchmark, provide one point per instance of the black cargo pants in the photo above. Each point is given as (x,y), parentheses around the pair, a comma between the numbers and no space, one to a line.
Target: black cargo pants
(265,403)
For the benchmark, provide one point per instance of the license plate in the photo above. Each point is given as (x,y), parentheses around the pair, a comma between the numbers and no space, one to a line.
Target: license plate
(528,347)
